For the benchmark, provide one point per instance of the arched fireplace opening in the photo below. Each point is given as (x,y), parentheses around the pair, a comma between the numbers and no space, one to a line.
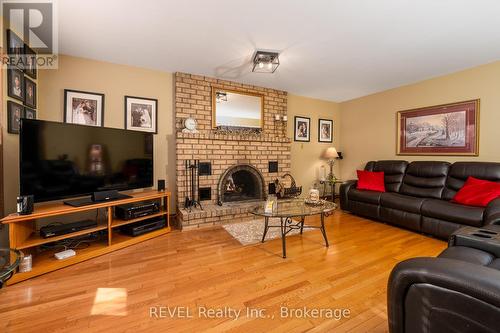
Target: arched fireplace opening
(240,183)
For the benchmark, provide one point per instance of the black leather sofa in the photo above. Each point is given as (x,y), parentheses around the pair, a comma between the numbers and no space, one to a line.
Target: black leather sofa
(418,196)
(459,291)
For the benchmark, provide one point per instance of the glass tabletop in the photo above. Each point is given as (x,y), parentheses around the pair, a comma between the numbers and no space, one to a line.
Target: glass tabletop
(9,260)
(295,207)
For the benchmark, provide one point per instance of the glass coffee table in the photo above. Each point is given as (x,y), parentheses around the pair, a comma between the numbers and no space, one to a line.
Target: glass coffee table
(9,260)
(292,213)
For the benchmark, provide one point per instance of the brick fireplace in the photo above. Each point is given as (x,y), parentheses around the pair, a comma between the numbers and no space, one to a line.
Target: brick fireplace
(239,163)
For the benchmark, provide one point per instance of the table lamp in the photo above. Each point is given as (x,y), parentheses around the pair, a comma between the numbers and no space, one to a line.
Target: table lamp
(331,154)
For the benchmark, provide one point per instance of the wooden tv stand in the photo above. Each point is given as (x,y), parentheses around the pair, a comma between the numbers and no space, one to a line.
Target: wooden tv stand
(24,236)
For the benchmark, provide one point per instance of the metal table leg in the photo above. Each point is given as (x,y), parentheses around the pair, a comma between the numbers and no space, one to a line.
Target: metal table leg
(266,227)
(283,234)
(323,229)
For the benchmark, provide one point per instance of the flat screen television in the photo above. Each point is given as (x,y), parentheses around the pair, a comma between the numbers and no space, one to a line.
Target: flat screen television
(59,160)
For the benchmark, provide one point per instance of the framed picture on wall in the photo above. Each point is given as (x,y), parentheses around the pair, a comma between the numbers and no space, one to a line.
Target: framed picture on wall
(15,112)
(83,107)
(448,129)
(29,113)
(141,114)
(325,130)
(302,129)
(15,84)
(30,93)
(30,62)
(15,48)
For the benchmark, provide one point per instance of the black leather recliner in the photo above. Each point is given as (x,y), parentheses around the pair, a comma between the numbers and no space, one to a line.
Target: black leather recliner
(459,291)
(418,196)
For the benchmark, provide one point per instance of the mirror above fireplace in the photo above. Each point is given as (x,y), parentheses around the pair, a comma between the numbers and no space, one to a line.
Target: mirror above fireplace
(237,110)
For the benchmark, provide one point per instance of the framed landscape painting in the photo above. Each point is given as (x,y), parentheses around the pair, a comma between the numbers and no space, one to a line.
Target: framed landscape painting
(449,129)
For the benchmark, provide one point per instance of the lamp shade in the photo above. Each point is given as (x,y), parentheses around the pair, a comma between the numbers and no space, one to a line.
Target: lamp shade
(330,153)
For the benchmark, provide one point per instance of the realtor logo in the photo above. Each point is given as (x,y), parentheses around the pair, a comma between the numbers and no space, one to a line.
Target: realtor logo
(33,24)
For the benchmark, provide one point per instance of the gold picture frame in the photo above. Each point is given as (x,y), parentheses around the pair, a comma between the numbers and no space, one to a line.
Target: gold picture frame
(220,90)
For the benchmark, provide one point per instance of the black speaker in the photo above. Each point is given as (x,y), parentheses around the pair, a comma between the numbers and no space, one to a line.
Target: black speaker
(161,184)
(25,204)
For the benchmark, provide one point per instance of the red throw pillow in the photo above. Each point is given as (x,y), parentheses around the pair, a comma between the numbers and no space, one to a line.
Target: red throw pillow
(370,180)
(477,192)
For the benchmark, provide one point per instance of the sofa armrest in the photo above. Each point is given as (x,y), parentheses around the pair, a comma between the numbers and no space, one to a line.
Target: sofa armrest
(344,189)
(492,213)
(446,275)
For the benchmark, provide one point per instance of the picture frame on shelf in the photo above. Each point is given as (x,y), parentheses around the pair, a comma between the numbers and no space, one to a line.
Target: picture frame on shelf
(447,129)
(325,130)
(29,93)
(302,129)
(83,107)
(15,112)
(15,49)
(29,113)
(15,84)
(30,68)
(141,114)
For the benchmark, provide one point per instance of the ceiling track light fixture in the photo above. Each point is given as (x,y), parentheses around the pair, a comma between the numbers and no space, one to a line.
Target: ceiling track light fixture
(265,62)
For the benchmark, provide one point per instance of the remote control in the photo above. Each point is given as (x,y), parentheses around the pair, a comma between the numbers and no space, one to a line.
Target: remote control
(64,254)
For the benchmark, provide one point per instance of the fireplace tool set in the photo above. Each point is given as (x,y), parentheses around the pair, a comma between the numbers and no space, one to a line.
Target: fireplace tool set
(192,183)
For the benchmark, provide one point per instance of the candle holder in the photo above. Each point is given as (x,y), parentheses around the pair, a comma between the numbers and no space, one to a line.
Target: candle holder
(280,123)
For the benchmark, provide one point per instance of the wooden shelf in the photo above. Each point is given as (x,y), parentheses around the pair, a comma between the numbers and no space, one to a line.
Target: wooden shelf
(35,239)
(123,240)
(57,209)
(23,235)
(119,222)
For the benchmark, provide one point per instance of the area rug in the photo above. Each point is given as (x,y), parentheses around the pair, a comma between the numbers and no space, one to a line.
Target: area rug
(250,232)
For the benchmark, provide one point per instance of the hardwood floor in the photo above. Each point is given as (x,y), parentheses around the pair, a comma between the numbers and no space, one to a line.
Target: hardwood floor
(208,269)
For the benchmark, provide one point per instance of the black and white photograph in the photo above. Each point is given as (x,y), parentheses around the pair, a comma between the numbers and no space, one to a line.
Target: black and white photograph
(29,93)
(141,114)
(30,62)
(302,129)
(84,108)
(15,84)
(15,49)
(29,113)
(325,130)
(15,112)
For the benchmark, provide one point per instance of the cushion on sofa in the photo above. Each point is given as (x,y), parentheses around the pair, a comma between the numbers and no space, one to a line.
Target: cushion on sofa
(425,179)
(468,254)
(477,192)
(370,180)
(449,211)
(372,197)
(401,202)
(394,172)
(460,171)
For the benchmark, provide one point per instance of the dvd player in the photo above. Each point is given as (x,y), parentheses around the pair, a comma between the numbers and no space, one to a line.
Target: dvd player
(143,227)
(136,210)
(66,228)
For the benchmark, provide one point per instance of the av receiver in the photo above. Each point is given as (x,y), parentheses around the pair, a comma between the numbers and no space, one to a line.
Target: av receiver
(143,227)
(135,210)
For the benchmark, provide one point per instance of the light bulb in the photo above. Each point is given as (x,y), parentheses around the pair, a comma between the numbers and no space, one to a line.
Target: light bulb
(270,65)
(261,64)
